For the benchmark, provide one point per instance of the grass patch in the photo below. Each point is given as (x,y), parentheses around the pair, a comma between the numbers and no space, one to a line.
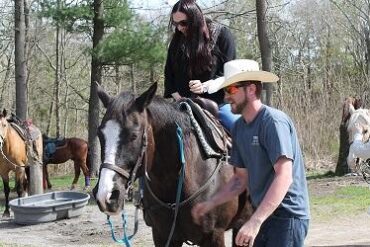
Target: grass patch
(344,201)
(316,175)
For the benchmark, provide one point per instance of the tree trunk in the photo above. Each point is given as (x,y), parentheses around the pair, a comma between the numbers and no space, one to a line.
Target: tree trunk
(265,48)
(96,77)
(342,166)
(132,78)
(35,180)
(57,76)
(20,62)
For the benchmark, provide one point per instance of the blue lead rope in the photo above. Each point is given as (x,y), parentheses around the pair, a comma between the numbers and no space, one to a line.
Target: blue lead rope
(126,239)
(175,206)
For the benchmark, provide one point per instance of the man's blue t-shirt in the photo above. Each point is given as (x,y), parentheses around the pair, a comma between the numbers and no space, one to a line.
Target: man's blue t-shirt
(258,145)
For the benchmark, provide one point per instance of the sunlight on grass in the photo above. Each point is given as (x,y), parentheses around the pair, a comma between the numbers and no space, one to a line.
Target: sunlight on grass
(350,200)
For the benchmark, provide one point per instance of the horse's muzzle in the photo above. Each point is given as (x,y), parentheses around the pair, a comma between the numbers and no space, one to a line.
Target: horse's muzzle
(112,204)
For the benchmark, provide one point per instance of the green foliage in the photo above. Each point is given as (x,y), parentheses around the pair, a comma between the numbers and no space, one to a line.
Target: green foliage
(129,39)
(349,200)
(135,42)
(73,16)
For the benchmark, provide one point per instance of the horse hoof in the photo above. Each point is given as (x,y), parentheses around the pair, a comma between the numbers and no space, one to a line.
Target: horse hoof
(73,187)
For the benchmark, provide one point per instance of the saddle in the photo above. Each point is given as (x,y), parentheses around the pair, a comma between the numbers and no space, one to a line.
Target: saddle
(51,145)
(214,140)
(26,130)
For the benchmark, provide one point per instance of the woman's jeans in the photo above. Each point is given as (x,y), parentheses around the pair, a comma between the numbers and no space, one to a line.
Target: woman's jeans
(226,117)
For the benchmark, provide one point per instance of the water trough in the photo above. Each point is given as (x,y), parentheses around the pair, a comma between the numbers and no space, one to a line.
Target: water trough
(48,207)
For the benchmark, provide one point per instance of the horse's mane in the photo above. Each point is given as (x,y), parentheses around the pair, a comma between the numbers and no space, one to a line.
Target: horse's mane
(166,114)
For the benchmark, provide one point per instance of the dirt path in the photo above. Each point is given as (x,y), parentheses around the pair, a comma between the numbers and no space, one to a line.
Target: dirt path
(90,229)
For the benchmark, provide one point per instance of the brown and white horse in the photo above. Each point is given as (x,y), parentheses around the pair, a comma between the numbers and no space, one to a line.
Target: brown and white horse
(142,132)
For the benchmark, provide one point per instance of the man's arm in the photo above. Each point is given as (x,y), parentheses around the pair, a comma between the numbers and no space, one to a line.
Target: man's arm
(236,185)
(278,189)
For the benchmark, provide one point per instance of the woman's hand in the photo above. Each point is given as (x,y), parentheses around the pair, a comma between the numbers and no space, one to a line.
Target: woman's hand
(196,86)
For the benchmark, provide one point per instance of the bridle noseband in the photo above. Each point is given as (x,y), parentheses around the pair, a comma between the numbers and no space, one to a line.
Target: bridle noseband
(131,175)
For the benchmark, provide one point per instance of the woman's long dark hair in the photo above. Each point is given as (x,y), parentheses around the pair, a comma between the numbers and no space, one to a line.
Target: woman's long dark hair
(197,39)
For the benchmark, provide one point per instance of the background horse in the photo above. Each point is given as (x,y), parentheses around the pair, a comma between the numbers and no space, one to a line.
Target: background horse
(142,130)
(75,149)
(14,157)
(359,117)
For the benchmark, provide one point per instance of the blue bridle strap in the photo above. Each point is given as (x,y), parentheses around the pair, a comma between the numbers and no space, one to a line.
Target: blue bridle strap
(125,239)
(180,140)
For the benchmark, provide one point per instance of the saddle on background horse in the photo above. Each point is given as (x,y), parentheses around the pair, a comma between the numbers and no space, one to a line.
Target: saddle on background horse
(26,130)
(51,145)
(214,139)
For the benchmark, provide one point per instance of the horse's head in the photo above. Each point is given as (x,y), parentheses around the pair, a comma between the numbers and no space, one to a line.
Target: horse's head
(3,126)
(122,134)
(358,117)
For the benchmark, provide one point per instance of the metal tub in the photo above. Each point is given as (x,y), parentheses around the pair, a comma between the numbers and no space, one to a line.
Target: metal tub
(48,207)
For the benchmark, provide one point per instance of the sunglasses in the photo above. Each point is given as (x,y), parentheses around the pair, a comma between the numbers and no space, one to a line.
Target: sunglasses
(183,23)
(232,89)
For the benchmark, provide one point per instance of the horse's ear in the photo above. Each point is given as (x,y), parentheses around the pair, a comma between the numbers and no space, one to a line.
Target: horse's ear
(351,109)
(144,100)
(4,112)
(357,103)
(103,96)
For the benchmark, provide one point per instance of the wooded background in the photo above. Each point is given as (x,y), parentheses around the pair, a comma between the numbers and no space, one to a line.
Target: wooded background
(53,51)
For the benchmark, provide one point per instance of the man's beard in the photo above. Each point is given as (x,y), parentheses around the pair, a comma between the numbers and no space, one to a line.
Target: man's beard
(239,107)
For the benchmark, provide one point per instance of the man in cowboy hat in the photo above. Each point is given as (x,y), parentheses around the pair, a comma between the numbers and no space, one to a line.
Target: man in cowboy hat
(268,162)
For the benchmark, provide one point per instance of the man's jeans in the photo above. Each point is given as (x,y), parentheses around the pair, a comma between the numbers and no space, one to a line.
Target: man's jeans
(282,230)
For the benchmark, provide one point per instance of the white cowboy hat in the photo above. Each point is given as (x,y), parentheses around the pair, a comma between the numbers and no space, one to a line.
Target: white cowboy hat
(240,70)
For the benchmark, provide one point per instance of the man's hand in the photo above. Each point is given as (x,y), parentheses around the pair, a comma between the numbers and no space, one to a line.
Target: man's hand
(247,233)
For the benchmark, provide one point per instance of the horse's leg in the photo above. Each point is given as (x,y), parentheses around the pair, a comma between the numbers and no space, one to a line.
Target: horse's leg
(86,173)
(214,239)
(20,181)
(159,241)
(6,213)
(76,165)
(46,180)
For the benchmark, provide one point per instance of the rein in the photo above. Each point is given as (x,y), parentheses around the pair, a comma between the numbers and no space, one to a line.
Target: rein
(4,156)
(172,206)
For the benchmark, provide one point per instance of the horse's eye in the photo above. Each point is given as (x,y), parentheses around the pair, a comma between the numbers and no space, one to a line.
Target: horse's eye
(133,137)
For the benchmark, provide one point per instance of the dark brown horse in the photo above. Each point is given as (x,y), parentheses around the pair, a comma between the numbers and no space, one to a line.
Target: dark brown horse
(14,157)
(75,149)
(143,130)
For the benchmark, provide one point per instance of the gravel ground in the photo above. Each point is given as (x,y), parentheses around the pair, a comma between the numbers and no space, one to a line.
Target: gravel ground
(91,228)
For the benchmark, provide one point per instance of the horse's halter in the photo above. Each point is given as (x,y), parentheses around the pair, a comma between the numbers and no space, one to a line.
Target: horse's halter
(130,176)
(3,135)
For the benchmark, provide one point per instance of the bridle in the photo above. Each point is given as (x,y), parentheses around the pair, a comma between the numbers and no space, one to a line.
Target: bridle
(132,174)
(2,142)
